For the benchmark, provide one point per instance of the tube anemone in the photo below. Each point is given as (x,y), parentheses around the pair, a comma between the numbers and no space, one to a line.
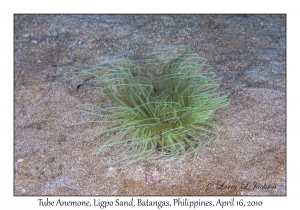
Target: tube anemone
(162,106)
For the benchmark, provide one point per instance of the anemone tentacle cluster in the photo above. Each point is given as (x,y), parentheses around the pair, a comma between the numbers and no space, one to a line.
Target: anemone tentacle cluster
(163,105)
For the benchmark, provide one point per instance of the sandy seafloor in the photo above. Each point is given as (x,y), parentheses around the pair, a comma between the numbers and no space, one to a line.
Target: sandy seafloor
(248,52)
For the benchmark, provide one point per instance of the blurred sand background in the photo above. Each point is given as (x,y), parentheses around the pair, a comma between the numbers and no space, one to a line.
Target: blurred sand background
(248,52)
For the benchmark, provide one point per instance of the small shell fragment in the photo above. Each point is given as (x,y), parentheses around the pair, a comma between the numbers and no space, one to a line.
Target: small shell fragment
(152,174)
(20,160)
